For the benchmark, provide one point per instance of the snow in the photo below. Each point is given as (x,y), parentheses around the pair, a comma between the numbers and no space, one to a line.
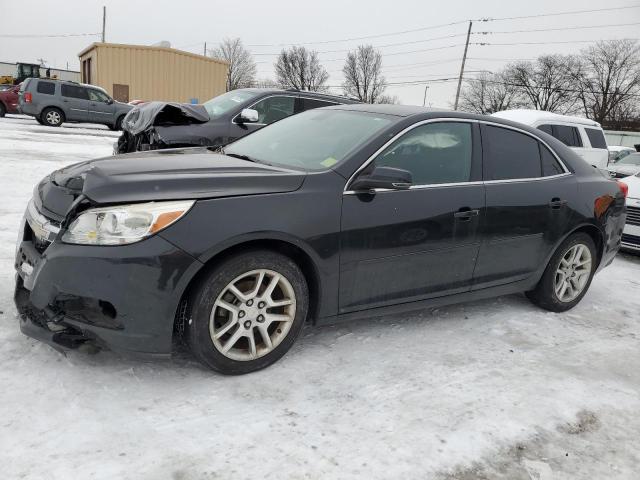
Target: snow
(490,389)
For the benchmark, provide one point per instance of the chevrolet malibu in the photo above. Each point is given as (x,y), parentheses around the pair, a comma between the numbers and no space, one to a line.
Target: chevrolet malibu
(331,215)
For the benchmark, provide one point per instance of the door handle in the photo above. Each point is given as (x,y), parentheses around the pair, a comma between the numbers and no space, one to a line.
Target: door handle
(556,203)
(465,213)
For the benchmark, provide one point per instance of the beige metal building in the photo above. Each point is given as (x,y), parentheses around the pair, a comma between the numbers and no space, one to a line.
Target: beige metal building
(140,72)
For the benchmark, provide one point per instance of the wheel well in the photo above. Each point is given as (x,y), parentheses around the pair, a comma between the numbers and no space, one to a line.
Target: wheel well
(295,253)
(595,235)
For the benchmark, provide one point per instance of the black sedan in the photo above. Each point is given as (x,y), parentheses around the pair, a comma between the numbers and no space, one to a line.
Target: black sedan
(334,214)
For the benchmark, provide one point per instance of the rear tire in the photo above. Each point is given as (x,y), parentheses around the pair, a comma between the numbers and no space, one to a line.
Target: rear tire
(39,120)
(567,276)
(247,312)
(52,117)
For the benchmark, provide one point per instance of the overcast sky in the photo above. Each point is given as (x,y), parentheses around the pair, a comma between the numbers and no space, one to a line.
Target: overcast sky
(265,25)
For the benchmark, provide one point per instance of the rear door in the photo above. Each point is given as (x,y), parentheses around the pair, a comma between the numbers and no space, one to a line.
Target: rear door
(406,245)
(75,101)
(101,107)
(528,191)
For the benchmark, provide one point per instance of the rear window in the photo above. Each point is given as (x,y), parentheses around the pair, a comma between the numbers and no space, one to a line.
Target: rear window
(74,91)
(309,103)
(596,137)
(48,88)
(511,154)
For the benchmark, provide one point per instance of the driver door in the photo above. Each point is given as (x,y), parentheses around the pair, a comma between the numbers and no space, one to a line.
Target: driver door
(270,109)
(101,107)
(407,245)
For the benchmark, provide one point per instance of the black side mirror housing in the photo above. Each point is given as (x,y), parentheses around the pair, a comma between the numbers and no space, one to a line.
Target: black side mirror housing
(383,177)
(109,102)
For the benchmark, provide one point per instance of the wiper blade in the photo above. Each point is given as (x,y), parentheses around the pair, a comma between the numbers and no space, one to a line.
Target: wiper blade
(241,157)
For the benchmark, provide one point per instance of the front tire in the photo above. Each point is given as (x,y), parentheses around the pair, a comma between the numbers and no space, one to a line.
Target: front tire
(118,125)
(52,117)
(247,312)
(3,110)
(567,276)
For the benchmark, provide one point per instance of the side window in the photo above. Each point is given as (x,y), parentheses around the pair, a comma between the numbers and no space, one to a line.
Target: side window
(433,153)
(596,137)
(74,91)
(48,88)
(272,109)
(309,103)
(97,96)
(546,129)
(511,154)
(568,135)
(550,165)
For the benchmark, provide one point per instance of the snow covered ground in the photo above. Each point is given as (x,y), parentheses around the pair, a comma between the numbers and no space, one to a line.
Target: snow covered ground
(492,389)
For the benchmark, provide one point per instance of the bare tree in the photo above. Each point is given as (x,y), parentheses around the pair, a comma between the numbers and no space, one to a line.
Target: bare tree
(389,99)
(546,84)
(265,83)
(363,74)
(300,68)
(242,68)
(489,93)
(608,80)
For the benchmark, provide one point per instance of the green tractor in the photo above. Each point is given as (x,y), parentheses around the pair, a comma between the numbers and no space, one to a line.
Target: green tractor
(23,70)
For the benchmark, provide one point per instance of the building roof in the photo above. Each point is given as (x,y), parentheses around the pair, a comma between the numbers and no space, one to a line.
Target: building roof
(175,51)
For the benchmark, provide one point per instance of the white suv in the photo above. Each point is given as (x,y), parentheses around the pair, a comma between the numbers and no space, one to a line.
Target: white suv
(584,136)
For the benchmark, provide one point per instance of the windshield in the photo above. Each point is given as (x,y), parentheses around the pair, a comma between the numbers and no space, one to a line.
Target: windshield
(631,159)
(313,140)
(222,104)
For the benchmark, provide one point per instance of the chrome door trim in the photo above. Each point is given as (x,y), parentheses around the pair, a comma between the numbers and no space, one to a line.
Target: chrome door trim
(457,184)
(399,134)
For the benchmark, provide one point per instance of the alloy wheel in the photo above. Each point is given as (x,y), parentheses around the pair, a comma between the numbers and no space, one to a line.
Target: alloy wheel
(573,273)
(252,315)
(53,118)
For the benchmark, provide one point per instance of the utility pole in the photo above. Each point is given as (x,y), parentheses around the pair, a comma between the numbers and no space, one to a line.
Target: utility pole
(464,59)
(104,21)
(426,87)
(205,49)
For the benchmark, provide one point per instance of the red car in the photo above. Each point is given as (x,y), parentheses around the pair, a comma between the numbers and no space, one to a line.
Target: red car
(9,100)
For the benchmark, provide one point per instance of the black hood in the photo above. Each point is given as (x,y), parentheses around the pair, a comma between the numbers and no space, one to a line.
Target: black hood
(189,173)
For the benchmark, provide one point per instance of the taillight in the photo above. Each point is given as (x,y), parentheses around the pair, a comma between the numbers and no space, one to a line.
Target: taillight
(27,97)
(624,188)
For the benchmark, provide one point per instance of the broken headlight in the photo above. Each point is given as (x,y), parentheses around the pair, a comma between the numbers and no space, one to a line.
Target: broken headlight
(122,224)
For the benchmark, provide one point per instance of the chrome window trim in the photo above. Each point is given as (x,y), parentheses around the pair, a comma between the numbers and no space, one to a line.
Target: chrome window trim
(437,185)
(398,135)
(258,101)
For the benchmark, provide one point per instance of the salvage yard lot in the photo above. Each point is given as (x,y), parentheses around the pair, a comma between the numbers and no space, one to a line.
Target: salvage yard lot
(490,389)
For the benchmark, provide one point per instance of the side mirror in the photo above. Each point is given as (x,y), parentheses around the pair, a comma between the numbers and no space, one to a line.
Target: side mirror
(109,101)
(383,177)
(248,115)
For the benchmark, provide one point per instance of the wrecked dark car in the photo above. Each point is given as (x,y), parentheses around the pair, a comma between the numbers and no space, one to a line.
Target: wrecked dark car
(217,122)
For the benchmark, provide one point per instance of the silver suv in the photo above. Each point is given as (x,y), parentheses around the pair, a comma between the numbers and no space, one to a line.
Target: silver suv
(53,102)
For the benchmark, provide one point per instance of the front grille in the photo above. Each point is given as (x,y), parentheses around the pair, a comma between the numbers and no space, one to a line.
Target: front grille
(631,239)
(39,229)
(633,215)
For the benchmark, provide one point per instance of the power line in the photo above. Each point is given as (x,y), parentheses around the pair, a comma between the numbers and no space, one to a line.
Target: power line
(571,12)
(323,42)
(562,28)
(551,43)
(61,35)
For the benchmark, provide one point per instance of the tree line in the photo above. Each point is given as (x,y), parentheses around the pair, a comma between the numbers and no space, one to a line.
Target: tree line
(602,82)
(299,68)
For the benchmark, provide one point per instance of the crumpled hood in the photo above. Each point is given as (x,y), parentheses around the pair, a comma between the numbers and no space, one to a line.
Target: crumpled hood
(189,173)
(149,114)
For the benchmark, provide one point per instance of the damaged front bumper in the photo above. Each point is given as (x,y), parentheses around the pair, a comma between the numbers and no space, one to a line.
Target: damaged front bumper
(122,298)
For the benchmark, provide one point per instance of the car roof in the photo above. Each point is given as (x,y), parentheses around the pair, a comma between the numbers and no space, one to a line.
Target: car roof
(71,82)
(389,109)
(529,117)
(305,93)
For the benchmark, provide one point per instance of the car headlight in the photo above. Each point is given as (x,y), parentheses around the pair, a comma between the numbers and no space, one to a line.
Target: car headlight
(122,224)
